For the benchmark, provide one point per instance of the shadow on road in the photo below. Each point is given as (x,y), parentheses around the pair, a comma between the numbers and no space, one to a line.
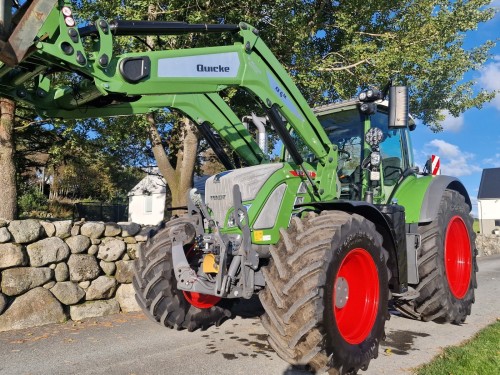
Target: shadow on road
(297,370)
(401,342)
(248,308)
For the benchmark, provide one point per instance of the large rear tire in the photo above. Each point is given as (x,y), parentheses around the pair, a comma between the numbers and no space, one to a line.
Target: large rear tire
(326,292)
(156,287)
(446,265)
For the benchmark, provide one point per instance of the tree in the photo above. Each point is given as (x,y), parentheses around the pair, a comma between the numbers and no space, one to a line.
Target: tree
(418,43)
(176,159)
(8,190)
(81,165)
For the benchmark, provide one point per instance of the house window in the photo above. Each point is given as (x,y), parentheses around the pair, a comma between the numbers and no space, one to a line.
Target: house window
(148,204)
(497,223)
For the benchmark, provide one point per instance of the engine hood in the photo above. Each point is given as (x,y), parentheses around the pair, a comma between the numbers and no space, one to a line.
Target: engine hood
(219,188)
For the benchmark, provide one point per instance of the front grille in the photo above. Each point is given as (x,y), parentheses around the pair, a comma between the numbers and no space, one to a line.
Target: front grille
(219,188)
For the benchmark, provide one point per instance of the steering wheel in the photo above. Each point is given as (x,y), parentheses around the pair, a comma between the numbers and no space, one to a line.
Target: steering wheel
(396,169)
(347,153)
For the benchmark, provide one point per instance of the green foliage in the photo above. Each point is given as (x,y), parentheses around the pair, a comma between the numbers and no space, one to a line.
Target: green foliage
(84,171)
(479,356)
(32,200)
(61,208)
(332,49)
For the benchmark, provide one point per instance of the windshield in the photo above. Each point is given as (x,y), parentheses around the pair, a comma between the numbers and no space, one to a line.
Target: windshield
(345,129)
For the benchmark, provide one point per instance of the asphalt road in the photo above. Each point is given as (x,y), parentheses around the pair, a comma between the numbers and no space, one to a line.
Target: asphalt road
(130,344)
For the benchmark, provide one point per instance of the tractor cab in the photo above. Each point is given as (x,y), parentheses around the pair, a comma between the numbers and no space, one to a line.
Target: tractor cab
(346,126)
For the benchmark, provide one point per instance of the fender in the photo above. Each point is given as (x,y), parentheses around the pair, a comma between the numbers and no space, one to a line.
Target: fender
(432,197)
(398,254)
(421,196)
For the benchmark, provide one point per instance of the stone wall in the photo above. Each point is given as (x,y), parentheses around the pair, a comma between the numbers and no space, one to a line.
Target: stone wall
(54,271)
(487,244)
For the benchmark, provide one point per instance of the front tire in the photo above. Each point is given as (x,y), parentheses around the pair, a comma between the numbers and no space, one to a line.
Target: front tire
(156,287)
(446,264)
(326,292)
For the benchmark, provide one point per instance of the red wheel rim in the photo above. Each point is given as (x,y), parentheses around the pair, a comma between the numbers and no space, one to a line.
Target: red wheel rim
(356,296)
(201,301)
(457,257)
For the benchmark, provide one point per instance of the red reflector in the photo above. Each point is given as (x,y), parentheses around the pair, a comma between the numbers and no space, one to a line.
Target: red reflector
(300,173)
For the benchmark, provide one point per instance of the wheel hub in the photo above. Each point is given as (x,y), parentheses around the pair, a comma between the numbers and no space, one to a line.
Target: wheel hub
(356,296)
(341,292)
(201,301)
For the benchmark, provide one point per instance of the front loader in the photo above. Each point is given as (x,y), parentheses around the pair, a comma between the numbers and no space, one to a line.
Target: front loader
(328,236)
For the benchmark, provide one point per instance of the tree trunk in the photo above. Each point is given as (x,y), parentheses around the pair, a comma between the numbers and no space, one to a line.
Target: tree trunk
(186,161)
(8,190)
(180,179)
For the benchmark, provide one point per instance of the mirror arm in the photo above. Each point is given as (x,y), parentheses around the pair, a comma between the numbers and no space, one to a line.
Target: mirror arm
(386,88)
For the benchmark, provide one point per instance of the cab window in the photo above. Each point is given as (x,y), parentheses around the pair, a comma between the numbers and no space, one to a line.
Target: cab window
(391,149)
(345,129)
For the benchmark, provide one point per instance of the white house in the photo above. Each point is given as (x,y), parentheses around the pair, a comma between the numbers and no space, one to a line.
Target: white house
(146,201)
(489,200)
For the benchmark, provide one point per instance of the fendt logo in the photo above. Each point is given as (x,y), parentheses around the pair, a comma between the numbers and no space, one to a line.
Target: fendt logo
(214,69)
(218,197)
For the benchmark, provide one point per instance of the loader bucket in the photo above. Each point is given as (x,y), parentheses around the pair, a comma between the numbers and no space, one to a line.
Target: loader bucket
(18,31)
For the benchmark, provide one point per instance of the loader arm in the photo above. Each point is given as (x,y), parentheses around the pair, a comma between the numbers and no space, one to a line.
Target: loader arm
(138,82)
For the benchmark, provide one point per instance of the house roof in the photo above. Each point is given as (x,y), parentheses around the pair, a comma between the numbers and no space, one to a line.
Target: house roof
(151,184)
(490,184)
(155,184)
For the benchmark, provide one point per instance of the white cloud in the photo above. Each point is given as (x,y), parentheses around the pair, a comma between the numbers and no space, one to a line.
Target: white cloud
(446,150)
(454,162)
(493,162)
(451,122)
(490,78)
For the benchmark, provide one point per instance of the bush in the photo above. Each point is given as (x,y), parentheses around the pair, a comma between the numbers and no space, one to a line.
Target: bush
(61,208)
(32,200)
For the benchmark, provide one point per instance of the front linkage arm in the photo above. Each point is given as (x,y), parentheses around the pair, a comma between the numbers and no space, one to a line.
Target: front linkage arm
(238,262)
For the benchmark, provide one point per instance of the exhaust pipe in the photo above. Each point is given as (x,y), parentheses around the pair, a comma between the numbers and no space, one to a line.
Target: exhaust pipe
(259,123)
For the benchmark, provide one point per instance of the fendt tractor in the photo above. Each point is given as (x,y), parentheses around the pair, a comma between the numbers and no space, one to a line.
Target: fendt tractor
(341,229)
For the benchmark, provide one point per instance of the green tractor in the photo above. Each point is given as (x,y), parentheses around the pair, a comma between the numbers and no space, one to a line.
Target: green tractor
(329,236)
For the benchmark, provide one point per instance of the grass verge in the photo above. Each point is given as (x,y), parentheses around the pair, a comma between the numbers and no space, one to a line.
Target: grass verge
(475,226)
(478,356)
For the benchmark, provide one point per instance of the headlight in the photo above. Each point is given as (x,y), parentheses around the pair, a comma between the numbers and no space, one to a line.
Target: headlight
(368,108)
(375,159)
(374,137)
(66,11)
(231,222)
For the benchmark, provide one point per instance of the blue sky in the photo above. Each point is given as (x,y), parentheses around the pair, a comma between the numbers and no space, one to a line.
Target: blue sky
(471,141)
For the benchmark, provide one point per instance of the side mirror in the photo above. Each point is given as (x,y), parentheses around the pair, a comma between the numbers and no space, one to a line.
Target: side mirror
(398,107)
